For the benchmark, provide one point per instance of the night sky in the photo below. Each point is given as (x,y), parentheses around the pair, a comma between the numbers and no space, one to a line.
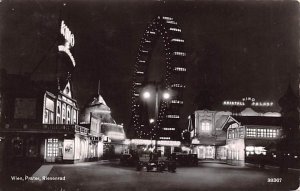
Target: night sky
(240,48)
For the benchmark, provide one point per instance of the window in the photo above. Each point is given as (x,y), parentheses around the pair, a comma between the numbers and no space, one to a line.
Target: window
(48,117)
(262,133)
(49,111)
(58,113)
(168,129)
(68,115)
(251,150)
(205,126)
(236,133)
(251,132)
(230,134)
(52,147)
(63,113)
(241,132)
(272,133)
(75,116)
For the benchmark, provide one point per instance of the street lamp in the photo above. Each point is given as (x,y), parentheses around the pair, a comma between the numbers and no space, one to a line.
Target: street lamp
(166,95)
(152,120)
(146,95)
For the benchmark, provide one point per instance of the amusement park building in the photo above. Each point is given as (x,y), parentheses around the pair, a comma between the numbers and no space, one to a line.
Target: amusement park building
(97,116)
(223,135)
(39,122)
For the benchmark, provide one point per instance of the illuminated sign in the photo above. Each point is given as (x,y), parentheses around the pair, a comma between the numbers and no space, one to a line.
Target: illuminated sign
(67,34)
(152,142)
(68,152)
(169,143)
(142,142)
(116,135)
(248,99)
(69,41)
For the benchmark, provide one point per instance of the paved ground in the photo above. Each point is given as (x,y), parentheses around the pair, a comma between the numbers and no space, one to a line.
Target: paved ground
(110,176)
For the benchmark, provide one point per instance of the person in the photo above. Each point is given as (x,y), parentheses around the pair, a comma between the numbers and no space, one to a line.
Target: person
(261,160)
(150,156)
(155,156)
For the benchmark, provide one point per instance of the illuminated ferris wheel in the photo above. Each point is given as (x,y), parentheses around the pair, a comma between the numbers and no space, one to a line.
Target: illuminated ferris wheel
(166,127)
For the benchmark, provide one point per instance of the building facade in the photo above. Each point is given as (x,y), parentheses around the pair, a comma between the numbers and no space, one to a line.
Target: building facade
(97,116)
(39,122)
(207,138)
(249,138)
(223,135)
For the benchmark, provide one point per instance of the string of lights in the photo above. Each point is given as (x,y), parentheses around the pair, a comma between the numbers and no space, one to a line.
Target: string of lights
(168,29)
(248,100)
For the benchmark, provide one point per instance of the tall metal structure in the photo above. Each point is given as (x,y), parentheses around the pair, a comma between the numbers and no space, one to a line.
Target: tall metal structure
(166,127)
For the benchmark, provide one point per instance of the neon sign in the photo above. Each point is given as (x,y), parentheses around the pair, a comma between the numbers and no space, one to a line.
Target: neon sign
(67,34)
(69,41)
(248,99)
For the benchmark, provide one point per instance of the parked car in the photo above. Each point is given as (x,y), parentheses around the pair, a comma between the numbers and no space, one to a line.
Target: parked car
(128,160)
(156,164)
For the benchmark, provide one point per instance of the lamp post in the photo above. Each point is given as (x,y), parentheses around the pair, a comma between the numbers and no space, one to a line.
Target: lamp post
(147,96)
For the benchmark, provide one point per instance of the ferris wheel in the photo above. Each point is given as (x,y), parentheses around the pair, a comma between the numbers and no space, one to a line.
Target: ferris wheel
(168,111)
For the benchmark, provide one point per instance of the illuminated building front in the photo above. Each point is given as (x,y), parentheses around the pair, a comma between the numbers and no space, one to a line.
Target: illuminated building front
(97,115)
(40,122)
(250,137)
(39,119)
(207,138)
(234,136)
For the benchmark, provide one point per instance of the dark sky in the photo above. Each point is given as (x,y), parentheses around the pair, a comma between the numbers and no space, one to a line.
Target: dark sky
(244,48)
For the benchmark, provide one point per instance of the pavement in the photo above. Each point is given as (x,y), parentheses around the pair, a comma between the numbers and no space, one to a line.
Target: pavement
(109,175)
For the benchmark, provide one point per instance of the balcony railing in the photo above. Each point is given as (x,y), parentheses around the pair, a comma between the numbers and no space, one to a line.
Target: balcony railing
(45,128)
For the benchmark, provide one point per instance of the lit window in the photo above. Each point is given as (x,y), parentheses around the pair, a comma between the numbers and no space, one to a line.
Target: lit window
(173,116)
(68,115)
(175,29)
(52,147)
(64,113)
(205,126)
(251,132)
(48,117)
(167,18)
(177,86)
(180,69)
(165,138)
(179,53)
(169,129)
(75,116)
(171,22)
(177,101)
(177,40)
(46,120)
(241,132)
(229,134)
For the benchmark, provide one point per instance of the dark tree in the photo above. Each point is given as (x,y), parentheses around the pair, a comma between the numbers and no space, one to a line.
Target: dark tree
(290,127)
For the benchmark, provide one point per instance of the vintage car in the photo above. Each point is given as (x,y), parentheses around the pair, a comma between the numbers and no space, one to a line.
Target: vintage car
(128,160)
(157,164)
(184,159)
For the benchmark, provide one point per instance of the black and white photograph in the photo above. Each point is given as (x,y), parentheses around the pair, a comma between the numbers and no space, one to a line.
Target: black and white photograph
(149,95)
